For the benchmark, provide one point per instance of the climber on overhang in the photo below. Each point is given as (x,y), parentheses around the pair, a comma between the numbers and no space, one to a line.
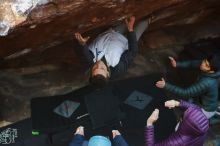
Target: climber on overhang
(111,53)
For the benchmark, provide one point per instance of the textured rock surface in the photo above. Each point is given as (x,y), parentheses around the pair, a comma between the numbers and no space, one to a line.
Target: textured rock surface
(54,22)
(15,12)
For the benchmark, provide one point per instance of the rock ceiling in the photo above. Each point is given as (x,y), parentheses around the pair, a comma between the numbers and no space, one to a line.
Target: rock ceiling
(29,26)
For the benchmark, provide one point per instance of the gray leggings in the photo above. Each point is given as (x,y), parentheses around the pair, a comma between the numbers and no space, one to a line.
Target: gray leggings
(139,28)
(208,114)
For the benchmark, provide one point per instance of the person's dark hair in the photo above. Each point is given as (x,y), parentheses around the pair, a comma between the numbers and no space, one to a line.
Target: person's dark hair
(214,62)
(99,81)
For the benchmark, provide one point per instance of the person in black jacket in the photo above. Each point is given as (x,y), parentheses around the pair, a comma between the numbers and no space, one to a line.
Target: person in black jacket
(79,139)
(110,54)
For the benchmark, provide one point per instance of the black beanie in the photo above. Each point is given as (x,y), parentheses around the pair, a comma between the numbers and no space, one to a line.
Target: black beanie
(214,62)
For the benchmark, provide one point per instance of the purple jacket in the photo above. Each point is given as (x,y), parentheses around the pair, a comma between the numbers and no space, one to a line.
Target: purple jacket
(191,131)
